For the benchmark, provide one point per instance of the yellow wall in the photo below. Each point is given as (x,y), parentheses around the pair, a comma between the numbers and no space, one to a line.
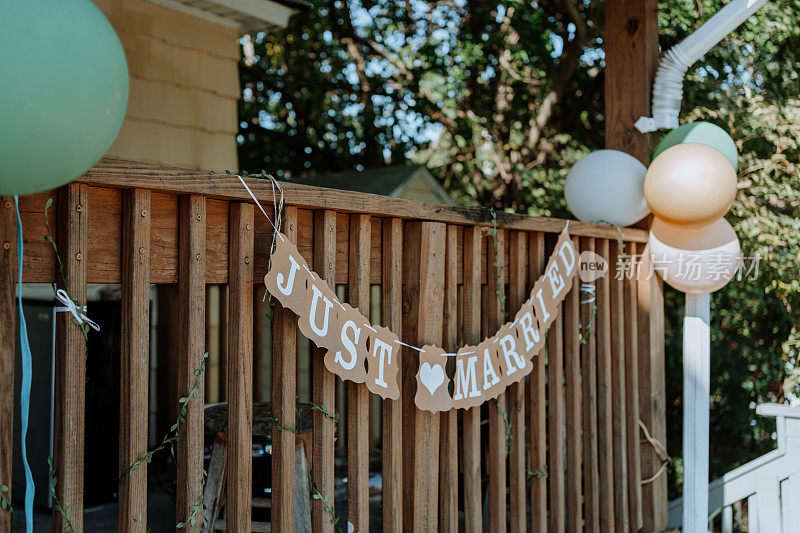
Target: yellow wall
(184,87)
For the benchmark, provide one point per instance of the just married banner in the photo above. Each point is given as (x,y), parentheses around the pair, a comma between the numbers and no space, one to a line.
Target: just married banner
(362,352)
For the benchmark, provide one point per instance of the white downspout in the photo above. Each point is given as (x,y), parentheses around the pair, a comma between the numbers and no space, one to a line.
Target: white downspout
(668,85)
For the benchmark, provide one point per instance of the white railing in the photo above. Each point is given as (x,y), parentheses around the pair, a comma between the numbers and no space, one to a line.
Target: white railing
(770,484)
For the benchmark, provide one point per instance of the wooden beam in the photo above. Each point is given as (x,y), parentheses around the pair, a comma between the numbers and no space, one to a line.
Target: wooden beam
(191,347)
(240,368)
(572,382)
(605,429)
(284,387)
(631,55)
(538,403)
(324,382)
(125,174)
(70,368)
(8,282)
(135,358)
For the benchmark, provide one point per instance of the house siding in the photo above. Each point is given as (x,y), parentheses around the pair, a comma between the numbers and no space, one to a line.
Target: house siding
(184,87)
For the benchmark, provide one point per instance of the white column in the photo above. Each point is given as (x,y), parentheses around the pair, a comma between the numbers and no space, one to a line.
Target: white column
(696,393)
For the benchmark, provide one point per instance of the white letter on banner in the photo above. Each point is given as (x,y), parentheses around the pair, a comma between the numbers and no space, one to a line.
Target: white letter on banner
(489,375)
(384,358)
(312,313)
(568,267)
(510,349)
(556,281)
(465,378)
(289,285)
(529,333)
(545,314)
(349,345)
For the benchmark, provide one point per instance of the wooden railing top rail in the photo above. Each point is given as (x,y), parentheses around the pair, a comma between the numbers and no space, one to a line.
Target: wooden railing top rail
(132,174)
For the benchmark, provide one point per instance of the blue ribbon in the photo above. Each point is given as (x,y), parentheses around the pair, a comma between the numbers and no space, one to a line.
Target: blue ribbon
(25,388)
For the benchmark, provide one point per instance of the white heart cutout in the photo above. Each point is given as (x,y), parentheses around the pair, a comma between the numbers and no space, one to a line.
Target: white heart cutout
(432,376)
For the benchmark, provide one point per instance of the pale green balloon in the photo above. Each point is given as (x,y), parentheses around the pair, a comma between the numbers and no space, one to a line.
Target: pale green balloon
(701,133)
(63,92)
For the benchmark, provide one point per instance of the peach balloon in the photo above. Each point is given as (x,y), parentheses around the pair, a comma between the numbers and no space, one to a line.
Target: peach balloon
(690,185)
(697,260)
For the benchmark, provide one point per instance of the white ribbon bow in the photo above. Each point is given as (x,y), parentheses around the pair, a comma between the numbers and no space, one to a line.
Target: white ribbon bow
(77,311)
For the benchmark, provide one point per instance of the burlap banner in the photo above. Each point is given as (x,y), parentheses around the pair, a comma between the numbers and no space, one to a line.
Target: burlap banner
(364,353)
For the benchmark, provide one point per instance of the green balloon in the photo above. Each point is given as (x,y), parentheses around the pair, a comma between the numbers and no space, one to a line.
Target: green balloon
(701,133)
(63,92)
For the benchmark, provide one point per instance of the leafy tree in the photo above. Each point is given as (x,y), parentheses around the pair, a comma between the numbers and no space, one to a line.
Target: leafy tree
(499,99)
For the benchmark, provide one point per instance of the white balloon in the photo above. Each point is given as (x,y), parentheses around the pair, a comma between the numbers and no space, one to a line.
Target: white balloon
(695,260)
(606,187)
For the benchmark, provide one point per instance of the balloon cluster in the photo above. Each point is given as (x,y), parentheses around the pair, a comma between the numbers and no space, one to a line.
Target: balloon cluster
(689,186)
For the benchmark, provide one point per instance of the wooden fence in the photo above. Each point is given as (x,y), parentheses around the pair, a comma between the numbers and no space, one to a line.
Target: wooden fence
(561,451)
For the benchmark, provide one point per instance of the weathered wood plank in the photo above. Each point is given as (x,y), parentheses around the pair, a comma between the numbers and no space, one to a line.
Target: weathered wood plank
(135,357)
(70,366)
(632,399)
(538,402)
(324,381)
(117,173)
(357,393)
(392,303)
(572,371)
(605,428)
(191,298)
(240,367)
(619,407)
(631,53)
(591,480)
(284,389)
(652,394)
(423,287)
(8,281)
(498,409)
(555,398)
(471,419)
(448,445)
(517,294)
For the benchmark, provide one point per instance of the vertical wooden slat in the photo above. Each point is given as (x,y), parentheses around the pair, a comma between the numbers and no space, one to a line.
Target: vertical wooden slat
(448,446)
(632,400)
(652,395)
(357,394)
(284,387)
(240,367)
(572,372)
(605,429)
(191,297)
(324,381)
(70,367)
(555,401)
(424,251)
(392,302)
(591,479)
(135,357)
(8,280)
(471,419)
(537,406)
(618,380)
(497,426)
(517,282)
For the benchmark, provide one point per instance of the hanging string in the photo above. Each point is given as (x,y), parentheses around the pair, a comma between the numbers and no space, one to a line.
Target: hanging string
(25,386)
(277,208)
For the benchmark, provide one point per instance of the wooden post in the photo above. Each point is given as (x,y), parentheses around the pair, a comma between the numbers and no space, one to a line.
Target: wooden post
(471,420)
(605,430)
(517,282)
(8,281)
(631,47)
(324,381)
(70,368)
(135,363)
(538,403)
(392,302)
(284,387)
(357,393)
(619,395)
(652,392)
(240,367)
(696,393)
(573,404)
(424,295)
(191,347)
(448,451)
